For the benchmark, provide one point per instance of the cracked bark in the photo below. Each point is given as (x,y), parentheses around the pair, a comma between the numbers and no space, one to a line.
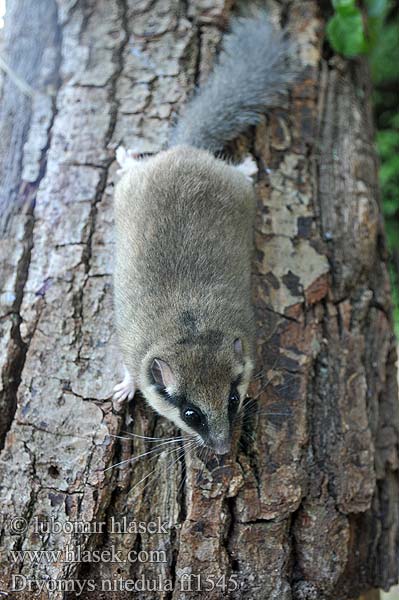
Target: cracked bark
(308,505)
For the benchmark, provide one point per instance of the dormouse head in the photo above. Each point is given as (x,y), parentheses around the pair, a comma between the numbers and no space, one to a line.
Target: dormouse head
(200,390)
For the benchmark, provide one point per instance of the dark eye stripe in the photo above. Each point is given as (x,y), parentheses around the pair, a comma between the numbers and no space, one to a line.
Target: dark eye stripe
(237,381)
(234,400)
(170,398)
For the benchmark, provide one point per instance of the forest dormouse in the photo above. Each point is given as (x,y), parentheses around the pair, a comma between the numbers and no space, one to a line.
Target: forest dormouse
(184,241)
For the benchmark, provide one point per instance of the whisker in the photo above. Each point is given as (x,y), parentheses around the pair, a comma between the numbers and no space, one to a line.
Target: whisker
(246,403)
(188,450)
(155,439)
(256,407)
(260,373)
(279,389)
(135,458)
(204,461)
(180,487)
(249,408)
(143,479)
(247,436)
(277,414)
(156,467)
(265,411)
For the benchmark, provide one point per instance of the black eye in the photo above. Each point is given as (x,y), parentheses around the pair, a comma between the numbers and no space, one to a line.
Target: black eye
(192,417)
(234,398)
(234,401)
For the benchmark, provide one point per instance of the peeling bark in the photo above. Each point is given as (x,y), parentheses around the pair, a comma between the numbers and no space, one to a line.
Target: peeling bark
(307,506)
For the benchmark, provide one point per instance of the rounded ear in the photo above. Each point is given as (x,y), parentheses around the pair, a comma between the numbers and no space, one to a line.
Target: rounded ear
(162,373)
(238,347)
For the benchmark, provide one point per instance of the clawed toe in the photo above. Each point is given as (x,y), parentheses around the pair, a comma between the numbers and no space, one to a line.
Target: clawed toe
(126,159)
(124,390)
(248,167)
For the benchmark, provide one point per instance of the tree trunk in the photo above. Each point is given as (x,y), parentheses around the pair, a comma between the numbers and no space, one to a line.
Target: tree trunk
(307,506)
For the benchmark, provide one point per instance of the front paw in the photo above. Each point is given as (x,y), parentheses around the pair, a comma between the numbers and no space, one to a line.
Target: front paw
(123,391)
(248,168)
(126,159)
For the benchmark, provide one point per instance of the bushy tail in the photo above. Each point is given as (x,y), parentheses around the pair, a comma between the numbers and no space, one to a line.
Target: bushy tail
(252,71)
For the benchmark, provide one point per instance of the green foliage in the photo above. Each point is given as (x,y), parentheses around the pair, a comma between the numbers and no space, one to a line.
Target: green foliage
(384,61)
(371,27)
(395,299)
(385,54)
(350,32)
(388,149)
(345,29)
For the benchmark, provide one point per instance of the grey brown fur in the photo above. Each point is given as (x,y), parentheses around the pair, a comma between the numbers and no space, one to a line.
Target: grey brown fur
(249,77)
(184,240)
(182,278)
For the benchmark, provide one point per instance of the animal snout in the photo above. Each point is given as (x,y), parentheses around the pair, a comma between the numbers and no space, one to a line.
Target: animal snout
(220,445)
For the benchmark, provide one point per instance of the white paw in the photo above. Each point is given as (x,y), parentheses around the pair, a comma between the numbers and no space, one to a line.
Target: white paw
(126,159)
(123,391)
(248,167)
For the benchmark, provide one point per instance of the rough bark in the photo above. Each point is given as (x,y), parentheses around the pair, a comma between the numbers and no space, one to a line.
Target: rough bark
(307,505)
